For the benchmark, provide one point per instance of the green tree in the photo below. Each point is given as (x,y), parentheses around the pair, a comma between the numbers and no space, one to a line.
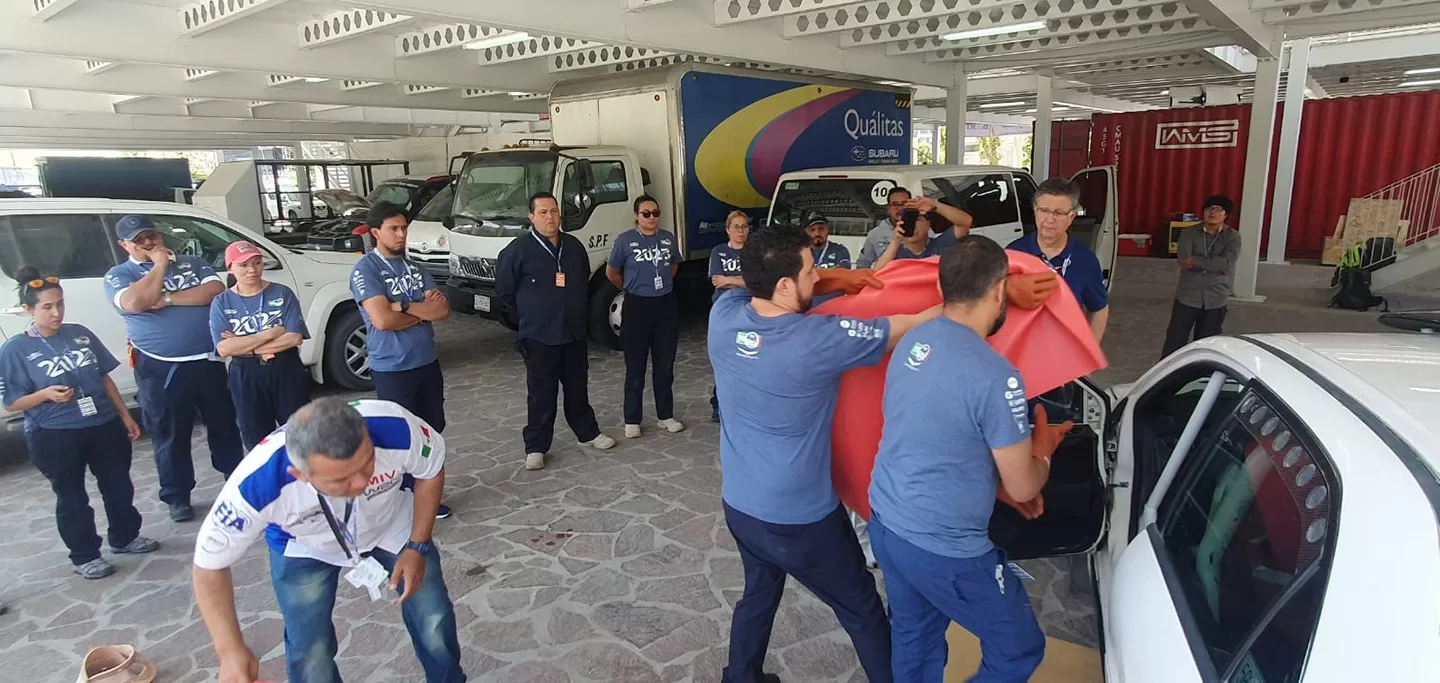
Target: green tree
(1026,151)
(923,154)
(989,149)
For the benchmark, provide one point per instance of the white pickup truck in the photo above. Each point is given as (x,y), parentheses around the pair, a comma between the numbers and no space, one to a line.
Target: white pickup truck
(74,240)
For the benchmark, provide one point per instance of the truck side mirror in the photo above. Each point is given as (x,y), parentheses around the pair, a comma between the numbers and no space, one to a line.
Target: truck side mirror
(585,176)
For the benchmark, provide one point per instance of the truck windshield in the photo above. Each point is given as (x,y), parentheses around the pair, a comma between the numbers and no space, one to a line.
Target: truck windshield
(439,206)
(846,203)
(492,196)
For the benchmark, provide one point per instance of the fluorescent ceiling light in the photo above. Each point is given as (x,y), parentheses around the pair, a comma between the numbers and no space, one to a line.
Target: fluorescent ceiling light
(497,41)
(519,94)
(1164,92)
(1052,110)
(997,105)
(995,31)
(1417,72)
(1087,106)
(1419,84)
(314,79)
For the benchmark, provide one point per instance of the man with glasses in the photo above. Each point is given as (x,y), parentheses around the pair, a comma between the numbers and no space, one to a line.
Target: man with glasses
(880,236)
(1056,203)
(165,301)
(1207,256)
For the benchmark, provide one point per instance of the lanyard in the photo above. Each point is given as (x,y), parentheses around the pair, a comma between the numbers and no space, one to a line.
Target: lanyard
(62,359)
(249,313)
(1064,265)
(386,265)
(344,535)
(559,251)
(821,258)
(654,253)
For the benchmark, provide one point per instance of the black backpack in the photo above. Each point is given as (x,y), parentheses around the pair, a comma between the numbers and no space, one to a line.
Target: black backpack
(1354,290)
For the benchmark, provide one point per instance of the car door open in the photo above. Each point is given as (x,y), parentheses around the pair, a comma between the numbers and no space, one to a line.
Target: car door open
(1075,496)
(1096,226)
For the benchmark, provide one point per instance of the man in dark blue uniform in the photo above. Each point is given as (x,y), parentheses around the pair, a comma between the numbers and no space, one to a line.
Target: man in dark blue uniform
(543,279)
(165,300)
(1057,201)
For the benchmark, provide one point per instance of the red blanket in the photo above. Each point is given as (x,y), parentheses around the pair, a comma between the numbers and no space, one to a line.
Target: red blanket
(1050,346)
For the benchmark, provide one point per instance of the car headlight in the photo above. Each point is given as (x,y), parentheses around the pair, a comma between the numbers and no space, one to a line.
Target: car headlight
(455,263)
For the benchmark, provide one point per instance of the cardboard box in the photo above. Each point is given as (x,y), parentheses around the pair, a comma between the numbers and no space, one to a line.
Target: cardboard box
(1371,218)
(1334,250)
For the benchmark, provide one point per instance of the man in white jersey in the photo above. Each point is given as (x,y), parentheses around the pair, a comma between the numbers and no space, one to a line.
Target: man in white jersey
(325,492)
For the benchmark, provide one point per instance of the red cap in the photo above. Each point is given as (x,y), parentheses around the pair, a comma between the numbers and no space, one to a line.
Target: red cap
(240,251)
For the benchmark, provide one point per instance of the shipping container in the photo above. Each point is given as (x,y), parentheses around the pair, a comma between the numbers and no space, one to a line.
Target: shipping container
(1069,148)
(114,177)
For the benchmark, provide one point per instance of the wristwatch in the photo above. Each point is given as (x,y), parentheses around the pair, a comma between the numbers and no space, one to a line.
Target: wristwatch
(405,306)
(168,298)
(423,547)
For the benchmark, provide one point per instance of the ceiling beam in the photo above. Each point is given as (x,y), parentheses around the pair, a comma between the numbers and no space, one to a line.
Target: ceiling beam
(1018,55)
(1231,58)
(338,26)
(1047,48)
(1242,25)
(1400,47)
(1165,16)
(202,17)
(1080,100)
(44,9)
(182,125)
(672,27)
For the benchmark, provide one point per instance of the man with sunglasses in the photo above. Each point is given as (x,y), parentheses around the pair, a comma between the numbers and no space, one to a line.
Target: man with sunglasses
(165,301)
(1057,201)
(1207,255)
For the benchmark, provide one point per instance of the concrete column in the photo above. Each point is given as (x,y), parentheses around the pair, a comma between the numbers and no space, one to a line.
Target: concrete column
(1296,78)
(1257,176)
(935,142)
(955,97)
(1040,144)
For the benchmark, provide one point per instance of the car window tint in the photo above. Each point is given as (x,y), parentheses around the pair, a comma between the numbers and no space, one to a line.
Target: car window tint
(62,245)
(1025,197)
(610,188)
(989,199)
(199,237)
(1245,527)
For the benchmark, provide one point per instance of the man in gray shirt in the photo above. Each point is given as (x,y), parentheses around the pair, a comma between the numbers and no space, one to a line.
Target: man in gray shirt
(1207,256)
(880,236)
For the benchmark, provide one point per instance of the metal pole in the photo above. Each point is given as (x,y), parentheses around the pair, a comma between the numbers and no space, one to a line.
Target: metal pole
(1257,176)
(1296,78)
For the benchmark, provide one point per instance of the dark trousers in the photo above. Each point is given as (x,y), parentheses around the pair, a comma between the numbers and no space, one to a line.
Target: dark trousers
(547,368)
(650,330)
(1204,322)
(170,395)
(266,394)
(62,456)
(823,556)
(420,391)
(981,594)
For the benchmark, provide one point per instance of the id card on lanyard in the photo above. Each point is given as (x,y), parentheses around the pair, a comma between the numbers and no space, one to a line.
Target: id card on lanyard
(365,572)
(399,281)
(85,403)
(559,253)
(655,261)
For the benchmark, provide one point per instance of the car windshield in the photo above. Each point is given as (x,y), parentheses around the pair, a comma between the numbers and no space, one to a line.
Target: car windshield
(398,194)
(492,195)
(848,204)
(439,206)
(344,203)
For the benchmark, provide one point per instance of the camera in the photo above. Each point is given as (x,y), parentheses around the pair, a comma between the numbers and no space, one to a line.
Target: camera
(908,218)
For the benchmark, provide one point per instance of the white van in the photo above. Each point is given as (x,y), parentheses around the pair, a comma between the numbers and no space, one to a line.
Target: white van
(74,240)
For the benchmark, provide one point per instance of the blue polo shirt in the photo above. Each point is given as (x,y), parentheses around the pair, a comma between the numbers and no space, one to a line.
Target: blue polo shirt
(1077,264)
(724,260)
(932,248)
(778,380)
(173,333)
(395,279)
(832,255)
(644,259)
(949,400)
(242,316)
(73,357)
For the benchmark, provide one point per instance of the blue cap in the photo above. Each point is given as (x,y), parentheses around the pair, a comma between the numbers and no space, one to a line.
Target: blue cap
(130,226)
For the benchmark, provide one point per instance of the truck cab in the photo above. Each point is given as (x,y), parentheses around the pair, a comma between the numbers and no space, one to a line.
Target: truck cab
(1001,200)
(595,187)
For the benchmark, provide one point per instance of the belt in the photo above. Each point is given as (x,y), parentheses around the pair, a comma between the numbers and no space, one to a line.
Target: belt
(280,358)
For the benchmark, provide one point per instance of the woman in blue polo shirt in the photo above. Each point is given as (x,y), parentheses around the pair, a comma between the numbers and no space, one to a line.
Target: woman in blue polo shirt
(643,263)
(58,375)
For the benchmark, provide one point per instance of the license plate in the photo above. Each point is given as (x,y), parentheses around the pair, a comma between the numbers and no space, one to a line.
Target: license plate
(482,303)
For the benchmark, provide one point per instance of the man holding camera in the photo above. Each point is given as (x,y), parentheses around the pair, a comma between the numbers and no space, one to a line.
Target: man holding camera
(911,238)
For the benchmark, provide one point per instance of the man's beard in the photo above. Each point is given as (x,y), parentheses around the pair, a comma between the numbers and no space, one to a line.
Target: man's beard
(1000,320)
(817,242)
(805,302)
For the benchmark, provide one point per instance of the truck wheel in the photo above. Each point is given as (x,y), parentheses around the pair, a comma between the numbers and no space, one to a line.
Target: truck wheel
(606,307)
(347,359)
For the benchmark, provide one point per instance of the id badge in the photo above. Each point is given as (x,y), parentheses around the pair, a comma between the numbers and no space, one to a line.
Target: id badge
(368,574)
(560,280)
(87,406)
(659,283)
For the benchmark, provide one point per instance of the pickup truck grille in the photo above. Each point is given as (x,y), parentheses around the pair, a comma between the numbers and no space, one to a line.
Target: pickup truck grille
(476,268)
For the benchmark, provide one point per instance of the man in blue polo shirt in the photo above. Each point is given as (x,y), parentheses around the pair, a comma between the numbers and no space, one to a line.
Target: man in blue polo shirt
(399,301)
(827,254)
(1056,203)
(165,301)
(778,395)
(956,437)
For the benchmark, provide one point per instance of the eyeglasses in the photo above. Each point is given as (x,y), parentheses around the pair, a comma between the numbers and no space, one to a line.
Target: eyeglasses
(41,282)
(1041,213)
(650,214)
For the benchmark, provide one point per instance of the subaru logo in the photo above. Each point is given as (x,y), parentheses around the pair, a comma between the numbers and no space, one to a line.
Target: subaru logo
(857,152)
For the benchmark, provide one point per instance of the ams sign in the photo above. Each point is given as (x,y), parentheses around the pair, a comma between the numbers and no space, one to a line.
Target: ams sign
(1198,134)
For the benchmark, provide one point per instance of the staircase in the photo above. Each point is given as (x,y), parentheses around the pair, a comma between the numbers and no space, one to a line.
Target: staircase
(1417,254)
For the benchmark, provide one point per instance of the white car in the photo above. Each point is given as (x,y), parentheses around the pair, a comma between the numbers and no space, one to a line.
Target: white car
(74,240)
(428,242)
(1260,509)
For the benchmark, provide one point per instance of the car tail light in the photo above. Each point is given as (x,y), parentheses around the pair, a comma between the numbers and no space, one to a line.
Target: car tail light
(360,230)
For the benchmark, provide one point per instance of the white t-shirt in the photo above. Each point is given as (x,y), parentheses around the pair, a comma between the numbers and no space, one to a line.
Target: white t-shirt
(262,496)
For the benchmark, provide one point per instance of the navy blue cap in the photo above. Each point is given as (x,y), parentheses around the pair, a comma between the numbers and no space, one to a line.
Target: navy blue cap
(815,218)
(130,226)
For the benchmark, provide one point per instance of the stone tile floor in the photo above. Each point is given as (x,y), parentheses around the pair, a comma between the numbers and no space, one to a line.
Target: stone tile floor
(602,567)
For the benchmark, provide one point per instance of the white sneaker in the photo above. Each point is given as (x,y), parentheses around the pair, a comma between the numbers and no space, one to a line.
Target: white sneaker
(672,425)
(534,461)
(601,443)
(632,431)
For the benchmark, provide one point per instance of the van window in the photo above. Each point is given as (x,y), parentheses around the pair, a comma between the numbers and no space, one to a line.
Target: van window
(62,245)
(852,206)
(989,199)
(610,188)
(1246,529)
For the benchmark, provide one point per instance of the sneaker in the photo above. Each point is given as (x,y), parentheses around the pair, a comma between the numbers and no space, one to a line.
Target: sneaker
(600,443)
(672,425)
(95,569)
(534,461)
(632,431)
(442,512)
(139,546)
(181,512)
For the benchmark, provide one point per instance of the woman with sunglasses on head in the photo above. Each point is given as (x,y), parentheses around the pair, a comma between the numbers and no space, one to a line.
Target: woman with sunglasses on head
(58,375)
(643,264)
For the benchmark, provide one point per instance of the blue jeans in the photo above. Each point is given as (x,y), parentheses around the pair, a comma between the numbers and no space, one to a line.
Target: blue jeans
(981,594)
(305,589)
